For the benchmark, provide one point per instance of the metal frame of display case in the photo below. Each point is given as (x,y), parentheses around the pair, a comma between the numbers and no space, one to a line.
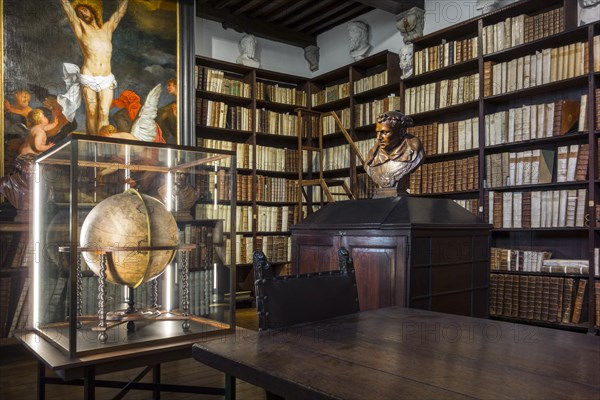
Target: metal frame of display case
(67,335)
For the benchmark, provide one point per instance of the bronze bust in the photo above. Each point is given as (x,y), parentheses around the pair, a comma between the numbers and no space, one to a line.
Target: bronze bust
(395,154)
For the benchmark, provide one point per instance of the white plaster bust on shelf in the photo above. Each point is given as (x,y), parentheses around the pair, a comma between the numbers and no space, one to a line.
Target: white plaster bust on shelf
(406,60)
(486,6)
(410,24)
(311,54)
(589,11)
(359,39)
(248,50)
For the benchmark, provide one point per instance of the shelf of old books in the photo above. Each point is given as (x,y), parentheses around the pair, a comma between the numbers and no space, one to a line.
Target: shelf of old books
(120,257)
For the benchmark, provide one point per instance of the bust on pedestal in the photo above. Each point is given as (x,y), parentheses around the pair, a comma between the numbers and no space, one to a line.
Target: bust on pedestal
(248,50)
(359,39)
(395,154)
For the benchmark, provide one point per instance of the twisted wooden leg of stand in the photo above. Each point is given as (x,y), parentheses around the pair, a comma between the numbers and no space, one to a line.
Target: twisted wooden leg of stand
(79,291)
(102,336)
(154,295)
(185,289)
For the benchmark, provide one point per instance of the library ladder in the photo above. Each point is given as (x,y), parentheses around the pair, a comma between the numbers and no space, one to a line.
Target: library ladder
(306,120)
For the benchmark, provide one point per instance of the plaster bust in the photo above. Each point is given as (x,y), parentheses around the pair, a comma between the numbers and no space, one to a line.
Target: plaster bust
(486,6)
(248,50)
(406,60)
(395,154)
(589,11)
(311,54)
(410,24)
(359,39)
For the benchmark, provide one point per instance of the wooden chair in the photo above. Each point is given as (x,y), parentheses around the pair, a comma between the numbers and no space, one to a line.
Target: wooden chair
(294,299)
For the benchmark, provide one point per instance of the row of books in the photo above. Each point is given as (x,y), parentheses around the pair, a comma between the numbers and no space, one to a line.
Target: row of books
(310,125)
(280,94)
(337,157)
(471,205)
(268,189)
(241,161)
(441,94)
(277,248)
(202,237)
(275,219)
(441,138)
(546,66)
(331,93)
(596,50)
(116,296)
(214,80)
(201,284)
(218,114)
(15,250)
(279,160)
(216,211)
(521,29)
(444,55)
(529,167)
(366,113)
(371,82)
(533,121)
(269,218)
(446,176)
(597,106)
(537,209)
(9,314)
(502,259)
(572,162)
(275,123)
(329,124)
(538,298)
(267,158)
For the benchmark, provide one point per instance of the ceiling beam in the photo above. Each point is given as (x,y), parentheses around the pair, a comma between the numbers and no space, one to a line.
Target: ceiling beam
(336,20)
(241,23)
(248,6)
(315,8)
(333,14)
(223,4)
(284,11)
(273,5)
(393,6)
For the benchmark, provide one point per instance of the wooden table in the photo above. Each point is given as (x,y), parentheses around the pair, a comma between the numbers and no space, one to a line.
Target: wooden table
(396,353)
(83,370)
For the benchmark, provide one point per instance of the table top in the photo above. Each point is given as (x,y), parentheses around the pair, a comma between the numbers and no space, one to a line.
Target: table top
(396,352)
(109,361)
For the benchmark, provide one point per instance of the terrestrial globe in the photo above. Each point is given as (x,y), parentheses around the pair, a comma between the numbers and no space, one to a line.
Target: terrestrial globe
(135,223)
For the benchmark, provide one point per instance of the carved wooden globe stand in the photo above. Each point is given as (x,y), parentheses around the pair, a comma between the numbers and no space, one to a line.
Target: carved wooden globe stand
(129,239)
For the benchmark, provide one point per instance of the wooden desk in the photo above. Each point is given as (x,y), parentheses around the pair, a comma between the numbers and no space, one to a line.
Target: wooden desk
(83,370)
(395,353)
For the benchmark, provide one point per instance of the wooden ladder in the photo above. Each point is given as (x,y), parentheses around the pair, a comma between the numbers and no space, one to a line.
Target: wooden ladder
(324,184)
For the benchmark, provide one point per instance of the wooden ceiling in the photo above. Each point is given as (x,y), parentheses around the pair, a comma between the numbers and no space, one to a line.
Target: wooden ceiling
(294,22)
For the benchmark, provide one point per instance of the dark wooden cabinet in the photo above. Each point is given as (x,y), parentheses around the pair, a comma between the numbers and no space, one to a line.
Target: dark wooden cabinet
(418,252)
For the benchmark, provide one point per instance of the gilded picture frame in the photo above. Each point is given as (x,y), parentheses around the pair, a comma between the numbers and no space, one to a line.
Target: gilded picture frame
(46,48)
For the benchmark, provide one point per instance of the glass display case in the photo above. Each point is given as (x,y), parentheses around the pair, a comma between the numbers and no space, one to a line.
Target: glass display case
(121,259)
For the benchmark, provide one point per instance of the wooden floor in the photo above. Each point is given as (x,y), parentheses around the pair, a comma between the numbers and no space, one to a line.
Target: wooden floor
(18,377)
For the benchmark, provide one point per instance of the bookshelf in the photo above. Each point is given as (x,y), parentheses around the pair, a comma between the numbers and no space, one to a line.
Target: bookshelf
(15,251)
(267,143)
(260,124)
(373,86)
(535,164)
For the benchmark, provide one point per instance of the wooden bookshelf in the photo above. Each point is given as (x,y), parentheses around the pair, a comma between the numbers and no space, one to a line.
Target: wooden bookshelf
(14,279)
(266,150)
(573,239)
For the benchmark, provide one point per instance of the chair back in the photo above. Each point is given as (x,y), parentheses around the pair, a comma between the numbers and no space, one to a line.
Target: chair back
(294,299)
